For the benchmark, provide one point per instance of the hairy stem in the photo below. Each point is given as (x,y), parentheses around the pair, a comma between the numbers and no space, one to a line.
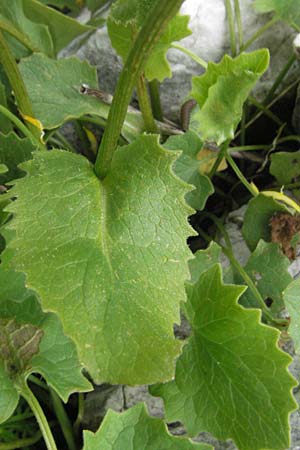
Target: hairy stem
(154,25)
(145,105)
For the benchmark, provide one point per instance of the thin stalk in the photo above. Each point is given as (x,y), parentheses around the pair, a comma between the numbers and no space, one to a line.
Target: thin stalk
(247,148)
(63,420)
(265,110)
(21,443)
(292,137)
(230,19)
(279,79)
(228,251)
(155,100)
(39,414)
(65,142)
(145,105)
(259,32)
(153,26)
(221,155)
(12,71)
(258,115)
(80,414)
(243,123)
(238,18)
(240,176)
(20,125)
(191,54)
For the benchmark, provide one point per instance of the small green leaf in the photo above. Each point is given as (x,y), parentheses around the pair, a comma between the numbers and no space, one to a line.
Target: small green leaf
(292,299)
(32,341)
(222,90)
(13,151)
(231,379)
(109,257)
(256,221)
(124,23)
(54,90)
(285,167)
(268,268)
(188,167)
(287,10)
(134,429)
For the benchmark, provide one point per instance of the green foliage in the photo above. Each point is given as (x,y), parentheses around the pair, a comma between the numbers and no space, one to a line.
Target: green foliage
(136,430)
(221,92)
(188,167)
(257,219)
(224,380)
(124,23)
(292,300)
(32,342)
(13,151)
(287,10)
(115,251)
(285,167)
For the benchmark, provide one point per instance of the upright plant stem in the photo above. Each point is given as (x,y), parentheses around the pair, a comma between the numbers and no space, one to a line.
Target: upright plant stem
(259,32)
(230,19)
(241,177)
(155,100)
(265,110)
(63,419)
(39,415)
(12,71)
(154,25)
(238,18)
(145,105)
(279,79)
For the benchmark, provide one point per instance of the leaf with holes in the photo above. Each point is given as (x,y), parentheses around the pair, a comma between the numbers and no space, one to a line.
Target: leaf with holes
(134,429)
(231,379)
(32,342)
(124,23)
(221,92)
(188,167)
(109,257)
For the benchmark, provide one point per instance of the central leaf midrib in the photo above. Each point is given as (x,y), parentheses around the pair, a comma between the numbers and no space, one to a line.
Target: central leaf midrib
(103,237)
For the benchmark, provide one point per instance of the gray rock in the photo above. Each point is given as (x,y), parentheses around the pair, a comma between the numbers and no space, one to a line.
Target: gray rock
(210,40)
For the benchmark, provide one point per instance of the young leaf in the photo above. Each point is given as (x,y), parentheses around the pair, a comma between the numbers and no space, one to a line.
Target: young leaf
(268,268)
(13,151)
(221,92)
(285,167)
(287,10)
(109,257)
(134,429)
(292,299)
(54,90)
(124,23)
(231,379)
(257,219)
(188,167)
(32,342)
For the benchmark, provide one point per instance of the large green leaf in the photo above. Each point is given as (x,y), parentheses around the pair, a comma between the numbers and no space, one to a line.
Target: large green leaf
(54,90)
(188,167)
(13,151)
(124,23)
(221,92)
(287,10)
(292,300)
(285,166)
(257,219)
(108,257)
(134,429)
(32,342)
(231,379)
